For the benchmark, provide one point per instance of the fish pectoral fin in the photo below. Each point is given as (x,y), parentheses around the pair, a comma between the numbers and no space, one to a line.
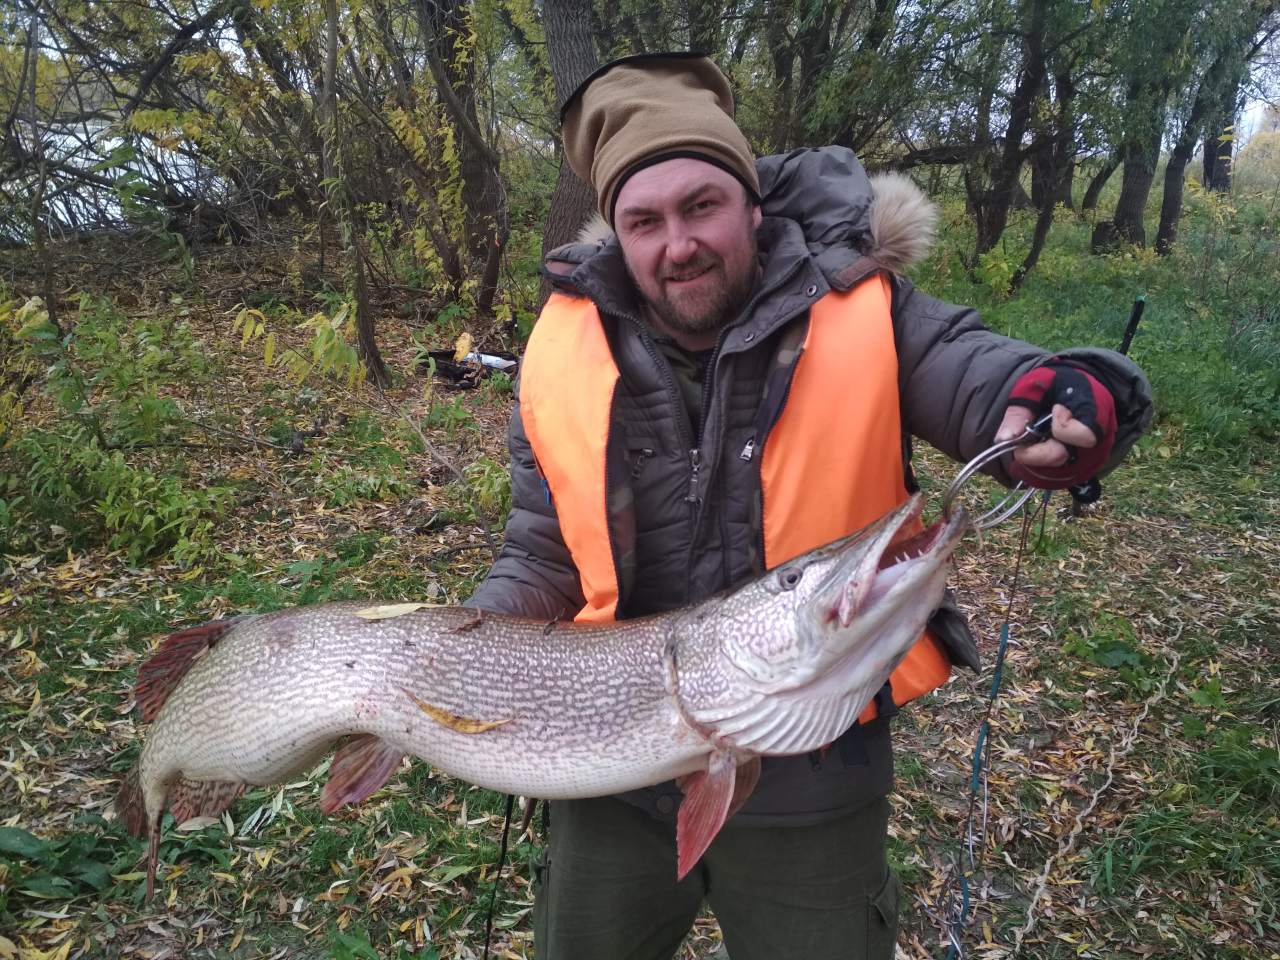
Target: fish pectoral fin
(202,798)
(708,797)
(360,767)
(160,675)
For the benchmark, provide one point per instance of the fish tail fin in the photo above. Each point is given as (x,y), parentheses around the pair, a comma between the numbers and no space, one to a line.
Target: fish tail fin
(164,669)
(360,767)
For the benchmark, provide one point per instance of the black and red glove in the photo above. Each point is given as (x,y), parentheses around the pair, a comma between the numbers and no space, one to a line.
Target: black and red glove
(1074,397)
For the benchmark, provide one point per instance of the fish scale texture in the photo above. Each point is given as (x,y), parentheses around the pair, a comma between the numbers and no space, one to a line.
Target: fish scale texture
(582,710)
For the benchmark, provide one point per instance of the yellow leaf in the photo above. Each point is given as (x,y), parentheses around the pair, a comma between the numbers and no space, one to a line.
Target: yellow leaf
(7,950)
(235,941)
(401,873)
(389,611)
(452,720)
(269,351)
(225,877)
(463,347)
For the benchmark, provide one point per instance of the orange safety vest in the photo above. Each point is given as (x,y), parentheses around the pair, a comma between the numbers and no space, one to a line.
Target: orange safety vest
(832,462)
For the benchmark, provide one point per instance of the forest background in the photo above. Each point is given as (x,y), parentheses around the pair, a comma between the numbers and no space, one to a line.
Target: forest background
(234,233)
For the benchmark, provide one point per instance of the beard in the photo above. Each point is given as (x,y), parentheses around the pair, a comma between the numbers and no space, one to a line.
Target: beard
(713,302)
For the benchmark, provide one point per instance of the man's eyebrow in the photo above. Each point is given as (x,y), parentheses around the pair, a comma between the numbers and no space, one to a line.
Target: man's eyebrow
(693,195)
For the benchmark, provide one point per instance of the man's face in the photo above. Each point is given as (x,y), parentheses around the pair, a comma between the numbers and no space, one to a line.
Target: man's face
(688,237)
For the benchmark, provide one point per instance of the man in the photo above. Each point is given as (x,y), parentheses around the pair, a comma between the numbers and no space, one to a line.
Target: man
(727,380)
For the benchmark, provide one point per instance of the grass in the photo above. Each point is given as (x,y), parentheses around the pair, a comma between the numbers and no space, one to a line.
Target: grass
(1178,857)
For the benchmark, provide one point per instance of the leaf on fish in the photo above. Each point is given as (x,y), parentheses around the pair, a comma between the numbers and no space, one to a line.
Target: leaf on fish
(388,611)
(455,721)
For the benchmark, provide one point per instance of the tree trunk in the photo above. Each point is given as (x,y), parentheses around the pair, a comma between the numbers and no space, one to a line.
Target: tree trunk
(1217,160)
(340,200)
(1057,163)
(1047,176)
(782,59)
(39,227)
(572,53)
(1098,181)
(453,69)
(1171,203)
(992,194)
(1140,158)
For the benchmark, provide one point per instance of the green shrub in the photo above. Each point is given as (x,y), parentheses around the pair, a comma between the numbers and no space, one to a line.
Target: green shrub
(98,494)
(490,484)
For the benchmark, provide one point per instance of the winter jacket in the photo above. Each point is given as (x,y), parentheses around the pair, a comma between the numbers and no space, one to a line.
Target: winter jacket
(825,227)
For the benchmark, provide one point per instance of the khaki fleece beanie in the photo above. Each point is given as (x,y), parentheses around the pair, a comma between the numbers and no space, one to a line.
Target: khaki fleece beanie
(641,110)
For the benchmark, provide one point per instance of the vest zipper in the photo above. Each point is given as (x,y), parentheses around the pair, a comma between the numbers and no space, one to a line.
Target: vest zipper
(695,464)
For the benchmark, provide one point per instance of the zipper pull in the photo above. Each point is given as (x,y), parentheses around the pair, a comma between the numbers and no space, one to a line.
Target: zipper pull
(748,451)
(695,463)
(644,455)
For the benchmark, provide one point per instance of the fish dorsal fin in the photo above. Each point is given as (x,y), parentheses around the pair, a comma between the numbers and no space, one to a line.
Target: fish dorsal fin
(711,796)
(359,767)
(160,675)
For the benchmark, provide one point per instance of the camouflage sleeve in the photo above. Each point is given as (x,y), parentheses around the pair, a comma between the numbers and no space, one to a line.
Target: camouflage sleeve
(534,575)
(955,376)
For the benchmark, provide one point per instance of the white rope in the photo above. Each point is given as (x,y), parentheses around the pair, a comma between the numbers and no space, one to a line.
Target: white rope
(1118,751)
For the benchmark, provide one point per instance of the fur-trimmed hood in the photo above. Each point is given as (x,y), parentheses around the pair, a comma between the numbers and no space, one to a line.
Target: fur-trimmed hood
(842,212)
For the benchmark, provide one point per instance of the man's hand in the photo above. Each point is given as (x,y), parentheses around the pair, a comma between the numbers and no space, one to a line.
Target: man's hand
(1083,426)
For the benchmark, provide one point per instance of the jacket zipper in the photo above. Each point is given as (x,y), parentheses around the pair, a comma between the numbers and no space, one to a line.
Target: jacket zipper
(695,454)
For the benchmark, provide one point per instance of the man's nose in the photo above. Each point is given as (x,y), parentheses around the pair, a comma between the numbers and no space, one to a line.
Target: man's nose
(681,244)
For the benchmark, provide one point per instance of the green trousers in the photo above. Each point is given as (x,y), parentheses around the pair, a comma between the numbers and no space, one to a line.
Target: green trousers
(606,887)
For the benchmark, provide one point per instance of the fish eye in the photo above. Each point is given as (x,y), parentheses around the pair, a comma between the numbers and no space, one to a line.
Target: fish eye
(790,578)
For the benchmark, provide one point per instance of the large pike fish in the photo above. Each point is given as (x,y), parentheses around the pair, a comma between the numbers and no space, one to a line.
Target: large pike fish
(782,665)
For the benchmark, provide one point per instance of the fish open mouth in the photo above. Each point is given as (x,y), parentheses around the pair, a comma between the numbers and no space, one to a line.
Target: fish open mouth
(909,546)
(906,548)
